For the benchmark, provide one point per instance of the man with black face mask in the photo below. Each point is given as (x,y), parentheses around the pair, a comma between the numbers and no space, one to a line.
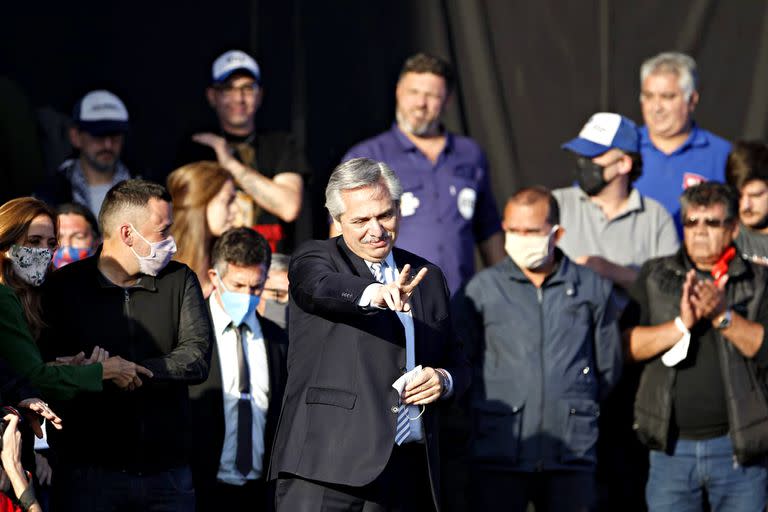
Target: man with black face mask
(613,229)
(609,226)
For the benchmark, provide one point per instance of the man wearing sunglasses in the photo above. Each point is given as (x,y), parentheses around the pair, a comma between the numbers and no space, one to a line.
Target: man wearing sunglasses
(698,320)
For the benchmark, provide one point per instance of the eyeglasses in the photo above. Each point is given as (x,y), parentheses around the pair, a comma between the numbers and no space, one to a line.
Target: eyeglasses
(691,222)
(276,293)
(229,91)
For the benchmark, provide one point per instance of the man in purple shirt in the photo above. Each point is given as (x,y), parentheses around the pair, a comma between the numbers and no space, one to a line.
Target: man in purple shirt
(447,206)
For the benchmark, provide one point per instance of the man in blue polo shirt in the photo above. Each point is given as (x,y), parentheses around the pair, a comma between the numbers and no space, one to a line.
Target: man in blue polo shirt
(447,206)
(676,153)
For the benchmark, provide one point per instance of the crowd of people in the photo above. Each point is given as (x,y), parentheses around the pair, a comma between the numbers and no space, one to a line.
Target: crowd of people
(177,347)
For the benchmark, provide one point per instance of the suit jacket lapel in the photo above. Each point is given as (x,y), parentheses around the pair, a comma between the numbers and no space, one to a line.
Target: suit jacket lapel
(356,263)
(214,370)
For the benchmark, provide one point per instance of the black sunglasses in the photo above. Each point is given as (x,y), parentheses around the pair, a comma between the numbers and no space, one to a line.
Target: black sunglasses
(709,222)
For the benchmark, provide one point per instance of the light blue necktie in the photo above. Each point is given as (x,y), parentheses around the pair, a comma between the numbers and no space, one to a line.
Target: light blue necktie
(403,429)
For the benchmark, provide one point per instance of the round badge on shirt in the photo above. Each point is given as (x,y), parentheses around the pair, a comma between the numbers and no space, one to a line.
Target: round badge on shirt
(466,202)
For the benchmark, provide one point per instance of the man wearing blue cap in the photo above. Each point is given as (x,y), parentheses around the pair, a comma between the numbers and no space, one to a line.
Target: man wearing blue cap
(100,124)
(613,229)
(609,226)
(267,166)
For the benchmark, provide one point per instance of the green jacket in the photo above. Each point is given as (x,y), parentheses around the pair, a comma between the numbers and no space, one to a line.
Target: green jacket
(19,350)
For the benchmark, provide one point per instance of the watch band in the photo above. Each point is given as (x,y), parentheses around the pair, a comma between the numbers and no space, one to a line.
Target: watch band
(724,320)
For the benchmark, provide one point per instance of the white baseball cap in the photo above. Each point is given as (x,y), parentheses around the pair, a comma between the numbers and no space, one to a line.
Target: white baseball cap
(603,131)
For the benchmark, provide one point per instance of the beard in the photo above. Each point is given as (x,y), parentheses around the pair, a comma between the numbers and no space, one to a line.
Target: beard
(104,166)
(422,129)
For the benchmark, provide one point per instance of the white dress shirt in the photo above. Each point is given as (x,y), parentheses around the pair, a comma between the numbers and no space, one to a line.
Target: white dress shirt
(255,352)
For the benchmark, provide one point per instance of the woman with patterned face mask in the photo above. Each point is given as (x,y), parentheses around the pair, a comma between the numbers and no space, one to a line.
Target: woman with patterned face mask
(27,244)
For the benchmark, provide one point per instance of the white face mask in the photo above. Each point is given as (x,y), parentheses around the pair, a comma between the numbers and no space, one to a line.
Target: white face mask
(532,251)
(160,253)
(30,263)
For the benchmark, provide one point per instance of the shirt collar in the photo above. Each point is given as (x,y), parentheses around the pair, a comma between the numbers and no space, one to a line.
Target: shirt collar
(634,203)
(564,270)
(221,320)
(389,260)
(407,144)
(697,137)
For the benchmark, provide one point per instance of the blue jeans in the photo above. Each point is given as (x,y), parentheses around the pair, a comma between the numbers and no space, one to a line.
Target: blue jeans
(101,490)
(676,482)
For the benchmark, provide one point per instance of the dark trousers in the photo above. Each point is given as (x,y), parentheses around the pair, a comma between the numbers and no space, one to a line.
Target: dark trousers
(549,491)
(403,486)
(97,489)
(220,497)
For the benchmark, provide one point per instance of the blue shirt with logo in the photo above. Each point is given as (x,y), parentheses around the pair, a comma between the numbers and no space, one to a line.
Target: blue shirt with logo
(447,207)
(702,157)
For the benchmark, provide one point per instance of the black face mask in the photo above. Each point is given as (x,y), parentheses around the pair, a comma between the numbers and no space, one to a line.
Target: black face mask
(590,176)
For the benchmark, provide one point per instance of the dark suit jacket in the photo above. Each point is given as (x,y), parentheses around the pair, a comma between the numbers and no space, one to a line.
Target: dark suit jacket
(338,419)
(207,407)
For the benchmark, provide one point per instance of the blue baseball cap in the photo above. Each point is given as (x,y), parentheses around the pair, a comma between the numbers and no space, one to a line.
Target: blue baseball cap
(604,131)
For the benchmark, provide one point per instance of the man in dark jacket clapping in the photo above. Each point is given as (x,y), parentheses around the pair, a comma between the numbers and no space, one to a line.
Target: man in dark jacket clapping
(698,320)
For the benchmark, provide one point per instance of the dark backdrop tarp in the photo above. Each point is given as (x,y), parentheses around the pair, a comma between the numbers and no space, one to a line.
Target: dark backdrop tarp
(530,73)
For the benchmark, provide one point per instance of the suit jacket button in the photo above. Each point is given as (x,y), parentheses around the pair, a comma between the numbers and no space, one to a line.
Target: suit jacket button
(395,409)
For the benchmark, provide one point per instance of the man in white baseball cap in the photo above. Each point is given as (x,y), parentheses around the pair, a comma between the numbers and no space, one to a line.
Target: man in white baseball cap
(267,166)
(100,122)
(609,226)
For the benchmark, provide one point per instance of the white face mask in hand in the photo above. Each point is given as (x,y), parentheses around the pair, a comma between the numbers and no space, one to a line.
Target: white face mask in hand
(531,251)
(30,263)
(160,253)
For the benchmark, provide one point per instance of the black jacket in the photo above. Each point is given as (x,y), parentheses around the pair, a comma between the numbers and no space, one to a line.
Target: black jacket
(744,378)
(161,323)
(337,423)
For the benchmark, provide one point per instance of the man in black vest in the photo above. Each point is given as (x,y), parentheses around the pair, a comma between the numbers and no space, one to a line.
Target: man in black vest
(235,411)
(698,322)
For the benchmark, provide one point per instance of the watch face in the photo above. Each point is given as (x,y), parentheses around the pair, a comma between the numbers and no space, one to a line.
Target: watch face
(726,320)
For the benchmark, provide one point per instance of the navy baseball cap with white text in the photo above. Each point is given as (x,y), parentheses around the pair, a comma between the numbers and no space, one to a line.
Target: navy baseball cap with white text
(100,113)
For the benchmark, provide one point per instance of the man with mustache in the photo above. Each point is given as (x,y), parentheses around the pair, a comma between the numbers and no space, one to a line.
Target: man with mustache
(98,133)
(447,205)
(747,170)
(371,354)
(697,321)
(676,153)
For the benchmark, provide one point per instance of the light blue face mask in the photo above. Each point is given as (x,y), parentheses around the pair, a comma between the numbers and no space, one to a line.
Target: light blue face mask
(237,305)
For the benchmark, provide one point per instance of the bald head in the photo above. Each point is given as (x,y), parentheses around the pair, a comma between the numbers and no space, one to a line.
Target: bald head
(538,198)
